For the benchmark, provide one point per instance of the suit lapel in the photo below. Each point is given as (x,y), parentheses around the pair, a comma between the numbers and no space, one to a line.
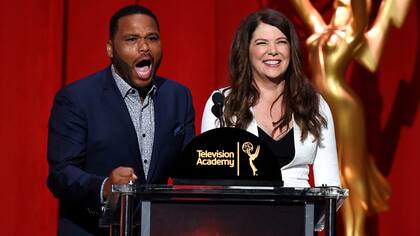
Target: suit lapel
(160,116)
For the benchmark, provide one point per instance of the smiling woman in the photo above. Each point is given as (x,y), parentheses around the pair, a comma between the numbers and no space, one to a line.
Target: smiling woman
(269,54)
(270,97)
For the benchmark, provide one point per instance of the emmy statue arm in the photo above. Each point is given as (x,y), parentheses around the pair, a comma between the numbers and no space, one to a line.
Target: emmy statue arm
(391,12)
(311,17)
(360,17)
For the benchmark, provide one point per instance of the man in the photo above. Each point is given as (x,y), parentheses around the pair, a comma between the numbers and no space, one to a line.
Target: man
(121,124)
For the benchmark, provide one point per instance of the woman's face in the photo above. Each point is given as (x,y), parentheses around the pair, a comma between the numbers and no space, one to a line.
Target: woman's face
(269,52)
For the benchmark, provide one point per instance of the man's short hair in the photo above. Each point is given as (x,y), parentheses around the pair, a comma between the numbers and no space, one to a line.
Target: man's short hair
(129,10)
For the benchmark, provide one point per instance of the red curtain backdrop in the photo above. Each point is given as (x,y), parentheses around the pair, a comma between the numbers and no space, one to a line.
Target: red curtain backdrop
(48,43)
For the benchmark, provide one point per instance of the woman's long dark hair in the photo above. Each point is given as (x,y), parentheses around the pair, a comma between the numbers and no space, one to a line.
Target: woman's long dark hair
(299,97)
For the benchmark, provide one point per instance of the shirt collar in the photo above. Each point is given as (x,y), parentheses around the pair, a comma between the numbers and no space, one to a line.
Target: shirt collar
(124,87)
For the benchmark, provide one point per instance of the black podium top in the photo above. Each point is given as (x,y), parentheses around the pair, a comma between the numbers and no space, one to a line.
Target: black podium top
(227,156)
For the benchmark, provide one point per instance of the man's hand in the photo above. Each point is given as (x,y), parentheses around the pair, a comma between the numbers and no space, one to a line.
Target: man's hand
(120,175)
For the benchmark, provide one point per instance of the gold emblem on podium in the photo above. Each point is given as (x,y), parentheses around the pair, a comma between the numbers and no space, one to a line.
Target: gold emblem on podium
(247,147)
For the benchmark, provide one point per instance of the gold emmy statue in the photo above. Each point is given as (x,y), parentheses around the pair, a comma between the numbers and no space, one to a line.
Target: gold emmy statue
(331,48)
(247,148)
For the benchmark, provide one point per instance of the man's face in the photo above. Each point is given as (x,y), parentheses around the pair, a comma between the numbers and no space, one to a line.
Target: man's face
(135,49)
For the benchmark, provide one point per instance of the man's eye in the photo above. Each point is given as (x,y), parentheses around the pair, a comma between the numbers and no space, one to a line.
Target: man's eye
(153,38)
(131,39)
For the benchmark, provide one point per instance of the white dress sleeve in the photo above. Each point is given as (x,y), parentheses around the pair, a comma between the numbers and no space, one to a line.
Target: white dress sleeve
(325,165)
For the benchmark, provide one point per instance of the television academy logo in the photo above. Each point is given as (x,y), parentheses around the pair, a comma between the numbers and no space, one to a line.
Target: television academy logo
(227,158)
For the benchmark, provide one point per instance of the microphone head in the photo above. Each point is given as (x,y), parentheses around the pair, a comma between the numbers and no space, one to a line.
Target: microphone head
(218,98)
(216,111)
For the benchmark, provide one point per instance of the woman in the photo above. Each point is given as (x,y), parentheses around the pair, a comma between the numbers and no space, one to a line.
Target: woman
(270,97)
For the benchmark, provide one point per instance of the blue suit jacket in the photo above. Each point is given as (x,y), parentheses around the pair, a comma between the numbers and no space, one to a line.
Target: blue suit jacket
(91,133)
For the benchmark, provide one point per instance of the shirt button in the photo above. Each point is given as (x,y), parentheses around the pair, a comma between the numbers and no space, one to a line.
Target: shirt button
(145,161)
(144,135)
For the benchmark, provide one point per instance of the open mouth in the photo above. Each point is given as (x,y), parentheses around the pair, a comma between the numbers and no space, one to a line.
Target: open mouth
(144,68)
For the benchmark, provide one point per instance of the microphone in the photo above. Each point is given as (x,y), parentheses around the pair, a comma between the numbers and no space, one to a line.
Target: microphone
(218,98)
(217,108)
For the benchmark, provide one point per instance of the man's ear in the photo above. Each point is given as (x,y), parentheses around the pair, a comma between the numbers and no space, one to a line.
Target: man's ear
(109,49)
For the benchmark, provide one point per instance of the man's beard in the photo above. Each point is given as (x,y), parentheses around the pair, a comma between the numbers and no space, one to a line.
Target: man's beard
(123,69)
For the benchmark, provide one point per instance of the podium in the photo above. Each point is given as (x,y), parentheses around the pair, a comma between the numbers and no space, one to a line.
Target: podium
(227,182)
(221,210)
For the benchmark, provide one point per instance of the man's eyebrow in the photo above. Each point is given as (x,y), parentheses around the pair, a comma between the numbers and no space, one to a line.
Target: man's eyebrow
(153,33)
(131,34)
(138,34)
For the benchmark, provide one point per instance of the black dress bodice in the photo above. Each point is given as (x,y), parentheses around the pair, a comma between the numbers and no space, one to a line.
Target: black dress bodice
(283,149)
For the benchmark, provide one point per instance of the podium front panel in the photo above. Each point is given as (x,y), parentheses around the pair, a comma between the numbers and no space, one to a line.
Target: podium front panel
(222,218)
(224,210)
